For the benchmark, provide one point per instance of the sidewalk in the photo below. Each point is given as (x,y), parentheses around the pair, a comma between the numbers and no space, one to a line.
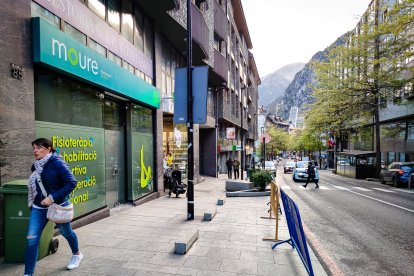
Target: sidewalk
(140,240)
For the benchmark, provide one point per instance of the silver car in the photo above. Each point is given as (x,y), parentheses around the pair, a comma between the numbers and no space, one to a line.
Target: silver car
(270,166)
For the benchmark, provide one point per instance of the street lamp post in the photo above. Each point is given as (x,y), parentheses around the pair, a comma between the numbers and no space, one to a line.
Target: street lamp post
(241,135)
(190,124)
(264,149)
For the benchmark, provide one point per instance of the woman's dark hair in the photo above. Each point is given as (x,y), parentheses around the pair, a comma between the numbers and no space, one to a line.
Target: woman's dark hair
(43,142)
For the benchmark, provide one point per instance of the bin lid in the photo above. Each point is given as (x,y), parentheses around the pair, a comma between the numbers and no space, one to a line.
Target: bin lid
(18,184)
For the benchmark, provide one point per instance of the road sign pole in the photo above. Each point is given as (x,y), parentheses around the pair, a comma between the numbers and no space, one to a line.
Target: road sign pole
(190,124)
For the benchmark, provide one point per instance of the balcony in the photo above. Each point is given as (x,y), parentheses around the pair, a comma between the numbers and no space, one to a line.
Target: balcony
(220,69)
(157,8)
(220,21)
(200,34)
(174,27)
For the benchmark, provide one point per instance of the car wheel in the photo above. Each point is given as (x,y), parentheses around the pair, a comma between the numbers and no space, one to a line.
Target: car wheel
(284,171)
(294,179)
(382,180)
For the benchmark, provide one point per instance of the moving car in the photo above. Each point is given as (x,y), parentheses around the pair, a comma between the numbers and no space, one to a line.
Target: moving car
(300,171)
(398,173)
(289,167)
(270,166)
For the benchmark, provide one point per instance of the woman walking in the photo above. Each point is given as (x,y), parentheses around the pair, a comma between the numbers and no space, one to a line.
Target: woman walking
(59,182)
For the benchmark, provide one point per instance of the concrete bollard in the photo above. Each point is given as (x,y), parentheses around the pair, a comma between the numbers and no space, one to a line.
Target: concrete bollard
(182,246)
(210,215)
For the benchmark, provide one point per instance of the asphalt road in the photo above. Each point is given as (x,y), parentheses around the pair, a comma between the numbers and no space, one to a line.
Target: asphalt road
(356,226)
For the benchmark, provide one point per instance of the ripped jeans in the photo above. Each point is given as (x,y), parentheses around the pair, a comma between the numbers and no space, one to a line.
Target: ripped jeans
(37,222)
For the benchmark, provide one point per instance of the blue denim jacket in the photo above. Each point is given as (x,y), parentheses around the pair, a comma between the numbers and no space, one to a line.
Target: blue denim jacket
(57,179)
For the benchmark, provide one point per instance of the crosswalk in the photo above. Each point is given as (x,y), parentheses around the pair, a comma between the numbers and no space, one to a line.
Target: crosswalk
(336,187)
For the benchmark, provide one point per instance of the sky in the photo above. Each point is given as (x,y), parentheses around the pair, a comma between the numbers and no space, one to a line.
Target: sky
(289,31)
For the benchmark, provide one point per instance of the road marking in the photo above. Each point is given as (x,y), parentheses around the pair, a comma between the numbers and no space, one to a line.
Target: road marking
(286,187)
(341,188)
(301,187)
(404,191)
(323,187)
(373,198)
(362,189)
(383,190)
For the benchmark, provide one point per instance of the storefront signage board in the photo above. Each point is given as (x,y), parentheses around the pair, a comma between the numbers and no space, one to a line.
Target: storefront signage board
(53,48)
(82,18)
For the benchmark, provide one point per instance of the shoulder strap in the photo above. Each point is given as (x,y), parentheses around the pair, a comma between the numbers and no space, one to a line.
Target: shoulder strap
(39,181)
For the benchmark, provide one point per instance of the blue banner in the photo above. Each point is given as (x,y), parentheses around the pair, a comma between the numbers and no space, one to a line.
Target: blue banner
(200,84)
(297,236)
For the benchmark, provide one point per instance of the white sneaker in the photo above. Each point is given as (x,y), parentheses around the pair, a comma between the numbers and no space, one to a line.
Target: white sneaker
(75,261)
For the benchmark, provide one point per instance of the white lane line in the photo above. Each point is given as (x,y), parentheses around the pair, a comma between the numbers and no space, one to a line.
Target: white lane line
(403,191)
(341,188)
(323,187)
(301,187)
(362,189)
(383,190)
(379,200)
(286,187)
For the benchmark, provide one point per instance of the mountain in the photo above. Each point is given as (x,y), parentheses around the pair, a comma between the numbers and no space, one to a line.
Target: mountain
(289,71)
(299,91)
(273,85)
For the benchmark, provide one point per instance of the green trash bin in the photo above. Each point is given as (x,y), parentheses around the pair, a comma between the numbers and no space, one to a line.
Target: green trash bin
(16,216)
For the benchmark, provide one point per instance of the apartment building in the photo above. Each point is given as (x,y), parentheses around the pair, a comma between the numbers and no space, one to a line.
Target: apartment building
(97,77)
(396,106)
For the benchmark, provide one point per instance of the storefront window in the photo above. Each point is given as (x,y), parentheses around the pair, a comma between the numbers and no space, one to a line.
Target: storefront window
(61,100)
(142,145)
(175,145)
(70,114)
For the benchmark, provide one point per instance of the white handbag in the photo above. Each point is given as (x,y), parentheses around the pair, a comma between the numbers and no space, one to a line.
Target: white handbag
(55,212)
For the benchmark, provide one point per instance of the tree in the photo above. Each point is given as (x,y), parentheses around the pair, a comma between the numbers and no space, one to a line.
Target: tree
(279,142)
(359,75)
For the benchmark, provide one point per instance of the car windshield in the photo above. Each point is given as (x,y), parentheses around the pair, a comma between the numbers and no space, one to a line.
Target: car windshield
(290,164)
(302,164)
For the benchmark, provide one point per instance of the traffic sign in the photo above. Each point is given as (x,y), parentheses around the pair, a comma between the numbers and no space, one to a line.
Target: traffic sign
(267,138)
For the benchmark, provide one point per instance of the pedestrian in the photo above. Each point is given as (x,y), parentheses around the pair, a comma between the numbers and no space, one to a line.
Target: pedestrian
(311,175)
(58,181)
(236,167)
(229,165)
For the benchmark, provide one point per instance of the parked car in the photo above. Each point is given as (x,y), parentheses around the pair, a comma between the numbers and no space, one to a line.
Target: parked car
(398,173)
(301,171)
(270,166)
(289,167)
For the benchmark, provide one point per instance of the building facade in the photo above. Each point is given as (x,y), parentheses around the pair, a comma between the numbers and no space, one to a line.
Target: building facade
(97,78)
(396,108)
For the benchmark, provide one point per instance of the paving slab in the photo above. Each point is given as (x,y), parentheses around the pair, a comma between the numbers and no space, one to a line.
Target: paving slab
(140,240)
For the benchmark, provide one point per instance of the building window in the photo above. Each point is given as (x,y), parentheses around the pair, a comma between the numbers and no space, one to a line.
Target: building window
(75,33)
(114,18)
(97,47)
(148,39)
(127,21)
(38,11)
(114,58)
(98,7)
(139,30)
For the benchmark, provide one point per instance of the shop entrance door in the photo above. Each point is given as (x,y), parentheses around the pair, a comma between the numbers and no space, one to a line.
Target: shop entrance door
(114,122)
